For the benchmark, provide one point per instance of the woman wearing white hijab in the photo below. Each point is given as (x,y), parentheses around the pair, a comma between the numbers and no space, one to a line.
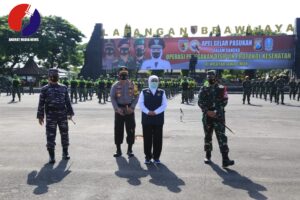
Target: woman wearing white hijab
(153,103)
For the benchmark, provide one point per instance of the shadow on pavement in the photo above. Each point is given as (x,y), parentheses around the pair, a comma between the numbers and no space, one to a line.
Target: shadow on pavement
(235,180)
(130,170)
(47,175)
(162,176)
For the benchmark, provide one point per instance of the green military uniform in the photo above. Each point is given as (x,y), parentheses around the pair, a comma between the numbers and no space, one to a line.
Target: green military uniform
(101,90)
(16,84)
(213,99)
(292,89)
(89,88)
(74,85)
(247,90)
(82,85)
(185,90)
(280,89)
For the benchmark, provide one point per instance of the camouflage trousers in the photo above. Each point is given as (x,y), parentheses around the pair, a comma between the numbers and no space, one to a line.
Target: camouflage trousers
(73,94)
(15,91)
(210,125)
(246,94)
(52,121)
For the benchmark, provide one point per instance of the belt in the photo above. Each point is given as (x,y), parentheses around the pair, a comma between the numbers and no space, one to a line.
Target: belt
(124,105)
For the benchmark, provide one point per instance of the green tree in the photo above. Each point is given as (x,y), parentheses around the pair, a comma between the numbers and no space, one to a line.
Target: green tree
(59,45)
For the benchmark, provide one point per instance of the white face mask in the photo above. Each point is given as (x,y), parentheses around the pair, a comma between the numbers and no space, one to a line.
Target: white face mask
(153,85)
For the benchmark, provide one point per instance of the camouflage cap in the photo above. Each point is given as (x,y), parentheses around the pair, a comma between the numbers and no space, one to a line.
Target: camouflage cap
(53,72)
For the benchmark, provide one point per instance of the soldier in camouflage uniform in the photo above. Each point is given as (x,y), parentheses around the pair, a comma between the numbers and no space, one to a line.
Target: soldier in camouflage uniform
(267,88)
(55,104)
(124,97)
(253,87)
(82,84)
(272,87)
(257,87)
(280,89)
(247,90)
(109,83)
(293,89)
(16,84)
(89,88)
(261,87)
(298,86)
(212,101)
(74,85)
(185,89)
(101,89)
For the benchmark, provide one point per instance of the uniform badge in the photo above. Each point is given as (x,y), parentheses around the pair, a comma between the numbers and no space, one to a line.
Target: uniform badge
(183,45)
(258,44)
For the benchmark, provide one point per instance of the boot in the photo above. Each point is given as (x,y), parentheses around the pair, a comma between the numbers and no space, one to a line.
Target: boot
(226,161)
(51,156)
(207,157)
(66,155)
(129,151)
(119,151)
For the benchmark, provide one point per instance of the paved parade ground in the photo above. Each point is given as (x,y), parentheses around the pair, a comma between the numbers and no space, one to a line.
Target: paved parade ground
(265,147)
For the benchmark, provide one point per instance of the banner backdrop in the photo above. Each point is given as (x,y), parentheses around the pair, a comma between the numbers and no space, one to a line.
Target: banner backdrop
(239,52)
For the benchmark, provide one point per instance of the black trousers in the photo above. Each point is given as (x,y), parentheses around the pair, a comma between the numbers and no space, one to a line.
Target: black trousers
(129,122)
(152,140)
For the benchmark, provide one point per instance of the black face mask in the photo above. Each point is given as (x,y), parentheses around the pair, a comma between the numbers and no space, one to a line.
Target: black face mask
(211,81)
(54,78)
(156,54)
(139,52)
(124,51)
(123,76)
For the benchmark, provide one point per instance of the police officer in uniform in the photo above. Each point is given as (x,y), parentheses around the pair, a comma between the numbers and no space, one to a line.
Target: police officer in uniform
(212,101)
(124,97)
(55,103)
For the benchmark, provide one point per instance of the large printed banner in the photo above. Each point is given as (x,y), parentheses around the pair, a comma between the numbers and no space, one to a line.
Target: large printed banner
(240,52)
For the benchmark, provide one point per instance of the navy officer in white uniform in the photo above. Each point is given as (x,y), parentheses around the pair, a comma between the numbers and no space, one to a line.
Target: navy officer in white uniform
(153,103)
(156,46)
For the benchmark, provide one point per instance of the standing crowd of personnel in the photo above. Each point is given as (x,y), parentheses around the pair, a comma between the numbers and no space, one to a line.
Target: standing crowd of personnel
(274,87)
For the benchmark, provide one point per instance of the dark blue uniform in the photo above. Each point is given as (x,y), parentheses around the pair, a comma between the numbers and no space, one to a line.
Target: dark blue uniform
(55,103)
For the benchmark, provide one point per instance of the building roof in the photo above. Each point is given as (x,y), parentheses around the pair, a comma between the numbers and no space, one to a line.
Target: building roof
(30,69)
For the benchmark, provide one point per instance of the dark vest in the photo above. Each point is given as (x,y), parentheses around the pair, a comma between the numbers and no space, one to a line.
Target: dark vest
(152,102)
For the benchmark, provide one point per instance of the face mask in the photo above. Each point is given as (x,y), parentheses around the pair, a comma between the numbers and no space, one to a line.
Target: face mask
(139,52)
(124,76)
(124,51)
(54,78)
(211,81)
(109,51)
(153,85)
(156,54)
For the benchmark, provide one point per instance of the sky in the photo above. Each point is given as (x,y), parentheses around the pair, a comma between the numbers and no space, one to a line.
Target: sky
(164,14)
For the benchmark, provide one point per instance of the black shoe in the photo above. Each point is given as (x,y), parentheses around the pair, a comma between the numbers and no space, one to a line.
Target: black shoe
(243,102)
(66,155)
(226,161)
(249,103)
(130,154)
(51,156)
(118,154)
(207,157)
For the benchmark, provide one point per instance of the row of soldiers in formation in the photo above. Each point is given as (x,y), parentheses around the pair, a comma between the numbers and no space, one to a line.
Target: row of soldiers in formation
(272,86)
(84,89)
(16,88)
